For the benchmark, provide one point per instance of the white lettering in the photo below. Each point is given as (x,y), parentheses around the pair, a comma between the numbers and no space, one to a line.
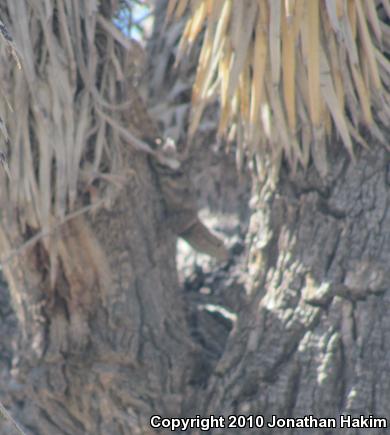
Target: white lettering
(155,421)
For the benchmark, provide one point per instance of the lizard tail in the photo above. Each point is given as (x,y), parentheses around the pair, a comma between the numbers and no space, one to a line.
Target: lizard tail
(203,240)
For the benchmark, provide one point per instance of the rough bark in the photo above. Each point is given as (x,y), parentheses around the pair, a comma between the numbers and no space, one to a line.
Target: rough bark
(99,347)
(109,354)
(304,329)
(310,335)
(313,336)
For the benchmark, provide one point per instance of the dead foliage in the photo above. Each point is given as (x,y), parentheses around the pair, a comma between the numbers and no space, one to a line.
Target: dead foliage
(289,74)
(68,141)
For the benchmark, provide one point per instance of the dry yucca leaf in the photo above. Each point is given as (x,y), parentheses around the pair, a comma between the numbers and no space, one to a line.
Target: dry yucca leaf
(224,71)
(237,21)
(258,65)
(67,104)
(370,12)
(331,7)
(367,45)
(274,39)
(363,95)
(288,63)
(352,17)
(313,61)
(240,50)
(304,136)
(340,7)
(180,8)
(289,6)
(335,68)
(222,26)
(326,61)
(332,102)
(197,22)
(275,102)
(244,92)
(212,53)
(170,9)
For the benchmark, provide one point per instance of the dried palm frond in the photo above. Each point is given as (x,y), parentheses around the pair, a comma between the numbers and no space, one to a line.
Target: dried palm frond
(7,38)
(7,41)
(70,103)
(313,66)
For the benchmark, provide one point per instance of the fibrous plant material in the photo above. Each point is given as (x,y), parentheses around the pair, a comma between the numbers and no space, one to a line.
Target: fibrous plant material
(73,89)
(77,118)
(8,43)
(7,417)
(290,74)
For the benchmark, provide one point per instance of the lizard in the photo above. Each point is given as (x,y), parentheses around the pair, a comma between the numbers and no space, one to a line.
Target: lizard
(176,186)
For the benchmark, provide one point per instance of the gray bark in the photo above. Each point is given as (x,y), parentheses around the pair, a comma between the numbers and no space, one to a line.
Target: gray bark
(313,338)
(112,353)
(310,336)
(306,334)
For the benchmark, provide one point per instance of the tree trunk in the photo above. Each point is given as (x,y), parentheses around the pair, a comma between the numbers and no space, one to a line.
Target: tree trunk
(312,338)
(109,349)
(110,345)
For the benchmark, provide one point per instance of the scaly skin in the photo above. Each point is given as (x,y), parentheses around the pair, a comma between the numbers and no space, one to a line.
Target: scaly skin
(175,184)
